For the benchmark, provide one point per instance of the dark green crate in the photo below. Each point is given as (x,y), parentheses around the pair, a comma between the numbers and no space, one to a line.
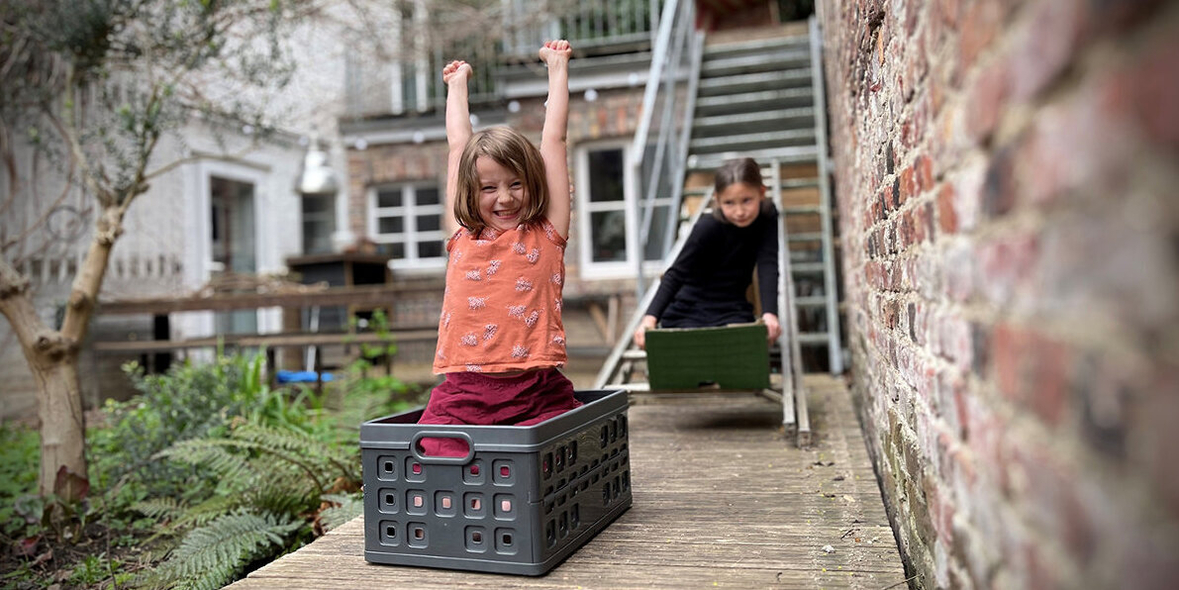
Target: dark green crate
(730,357)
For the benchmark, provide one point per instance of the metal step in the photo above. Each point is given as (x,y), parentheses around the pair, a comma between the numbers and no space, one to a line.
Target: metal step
(719,85)
(788,155)
(778,119)
(813,338)
(807,268)
(751,141)
(754,101)
(818,301)
(806,237)
(723,65)
(796,42)
(803,210)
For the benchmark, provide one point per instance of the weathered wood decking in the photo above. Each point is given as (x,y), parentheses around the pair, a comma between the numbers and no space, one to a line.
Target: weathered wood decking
(721,499)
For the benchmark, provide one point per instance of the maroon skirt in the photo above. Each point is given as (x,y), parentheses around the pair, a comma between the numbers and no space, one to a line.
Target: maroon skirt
(473,398)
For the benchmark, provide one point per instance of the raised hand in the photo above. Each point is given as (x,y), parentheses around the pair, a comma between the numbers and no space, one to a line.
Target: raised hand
(457,71)
(556,51)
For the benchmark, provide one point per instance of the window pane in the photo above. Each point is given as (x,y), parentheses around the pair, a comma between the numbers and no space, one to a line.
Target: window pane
(430,249)
(429,222)
(608,236)
(654,249)
(316,237)
(391,225)
(315,204)
(395,250)
(606,176)
(389,198)
(427,196)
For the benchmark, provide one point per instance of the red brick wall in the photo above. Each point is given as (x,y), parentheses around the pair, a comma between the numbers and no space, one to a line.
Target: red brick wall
(1006,180)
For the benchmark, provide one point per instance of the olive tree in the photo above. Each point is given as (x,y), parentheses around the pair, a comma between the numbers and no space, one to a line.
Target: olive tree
(92,86)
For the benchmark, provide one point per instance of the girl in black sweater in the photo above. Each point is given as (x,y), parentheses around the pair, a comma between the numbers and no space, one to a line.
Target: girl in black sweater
(706,284)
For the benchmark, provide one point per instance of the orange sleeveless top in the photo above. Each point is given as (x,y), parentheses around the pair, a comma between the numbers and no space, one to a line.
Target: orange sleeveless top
(501,310)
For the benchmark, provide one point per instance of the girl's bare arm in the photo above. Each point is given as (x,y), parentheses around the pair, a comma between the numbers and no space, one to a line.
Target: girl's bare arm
(555,55)
(458,130)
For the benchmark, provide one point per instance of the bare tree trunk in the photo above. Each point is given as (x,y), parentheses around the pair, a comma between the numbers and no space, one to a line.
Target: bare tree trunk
(52,355)
(63,429)
(53,362)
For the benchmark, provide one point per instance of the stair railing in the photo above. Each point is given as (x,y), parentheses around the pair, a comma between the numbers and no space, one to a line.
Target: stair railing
(658,152)
(834,345)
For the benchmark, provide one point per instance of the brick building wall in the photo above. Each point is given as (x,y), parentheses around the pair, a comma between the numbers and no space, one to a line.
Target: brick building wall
(613,114)
(1006,180)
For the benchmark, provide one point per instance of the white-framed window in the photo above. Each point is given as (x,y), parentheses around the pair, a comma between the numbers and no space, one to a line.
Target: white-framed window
(410,73)
(607,193)
(406,224)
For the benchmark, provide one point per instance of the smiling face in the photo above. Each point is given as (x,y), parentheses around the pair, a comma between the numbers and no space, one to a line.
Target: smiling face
(502,196)
(501,182)
(740,203)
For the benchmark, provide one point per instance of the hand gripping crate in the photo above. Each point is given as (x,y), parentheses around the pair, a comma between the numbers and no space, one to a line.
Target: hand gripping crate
(522,500)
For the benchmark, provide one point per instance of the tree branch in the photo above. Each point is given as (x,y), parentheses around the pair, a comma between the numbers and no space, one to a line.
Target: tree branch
(65,192)
(8,154)
(68,132)
(17,306)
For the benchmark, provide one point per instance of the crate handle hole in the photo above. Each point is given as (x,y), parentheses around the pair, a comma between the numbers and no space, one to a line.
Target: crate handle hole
(442,447)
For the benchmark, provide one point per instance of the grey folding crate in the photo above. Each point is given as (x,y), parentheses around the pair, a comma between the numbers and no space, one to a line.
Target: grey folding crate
(522,500)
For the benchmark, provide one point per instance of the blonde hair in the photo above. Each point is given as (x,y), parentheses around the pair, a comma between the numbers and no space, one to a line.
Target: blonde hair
(511,150)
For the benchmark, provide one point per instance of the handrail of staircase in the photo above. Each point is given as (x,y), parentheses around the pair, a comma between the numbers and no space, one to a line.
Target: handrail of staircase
(794,407)
(834,348)
(610,367)
(680,162)
(675,23)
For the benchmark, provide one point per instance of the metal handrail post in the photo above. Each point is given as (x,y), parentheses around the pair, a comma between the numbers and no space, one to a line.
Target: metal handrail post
(658,59)
(665,129)
(681,161)
(834,347)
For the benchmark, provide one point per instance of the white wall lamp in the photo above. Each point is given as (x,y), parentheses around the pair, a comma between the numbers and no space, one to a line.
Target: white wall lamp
(317,177)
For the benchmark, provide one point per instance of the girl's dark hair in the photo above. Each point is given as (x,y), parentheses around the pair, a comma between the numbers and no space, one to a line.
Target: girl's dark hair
(511,150)
(740,170)
(744,170)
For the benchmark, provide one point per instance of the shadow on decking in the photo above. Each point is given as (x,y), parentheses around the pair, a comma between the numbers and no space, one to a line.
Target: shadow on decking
(721,499)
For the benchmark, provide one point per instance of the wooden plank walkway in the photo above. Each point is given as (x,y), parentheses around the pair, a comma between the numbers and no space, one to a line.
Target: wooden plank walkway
(721,499)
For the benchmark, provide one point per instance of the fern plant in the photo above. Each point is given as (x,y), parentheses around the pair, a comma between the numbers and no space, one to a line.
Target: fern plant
(212,555)
(275,488)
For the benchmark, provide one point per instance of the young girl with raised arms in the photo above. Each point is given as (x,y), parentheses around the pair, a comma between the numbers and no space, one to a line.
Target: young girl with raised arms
(500,336)
(706,284)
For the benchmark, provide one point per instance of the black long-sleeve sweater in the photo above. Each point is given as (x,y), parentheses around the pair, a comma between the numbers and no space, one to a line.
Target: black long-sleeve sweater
(706,284)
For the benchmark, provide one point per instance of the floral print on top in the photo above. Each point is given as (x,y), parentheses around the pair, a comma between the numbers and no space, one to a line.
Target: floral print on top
(502,307)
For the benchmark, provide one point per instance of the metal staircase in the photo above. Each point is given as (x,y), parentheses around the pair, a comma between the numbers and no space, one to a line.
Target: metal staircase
(758,98)
(749,98)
